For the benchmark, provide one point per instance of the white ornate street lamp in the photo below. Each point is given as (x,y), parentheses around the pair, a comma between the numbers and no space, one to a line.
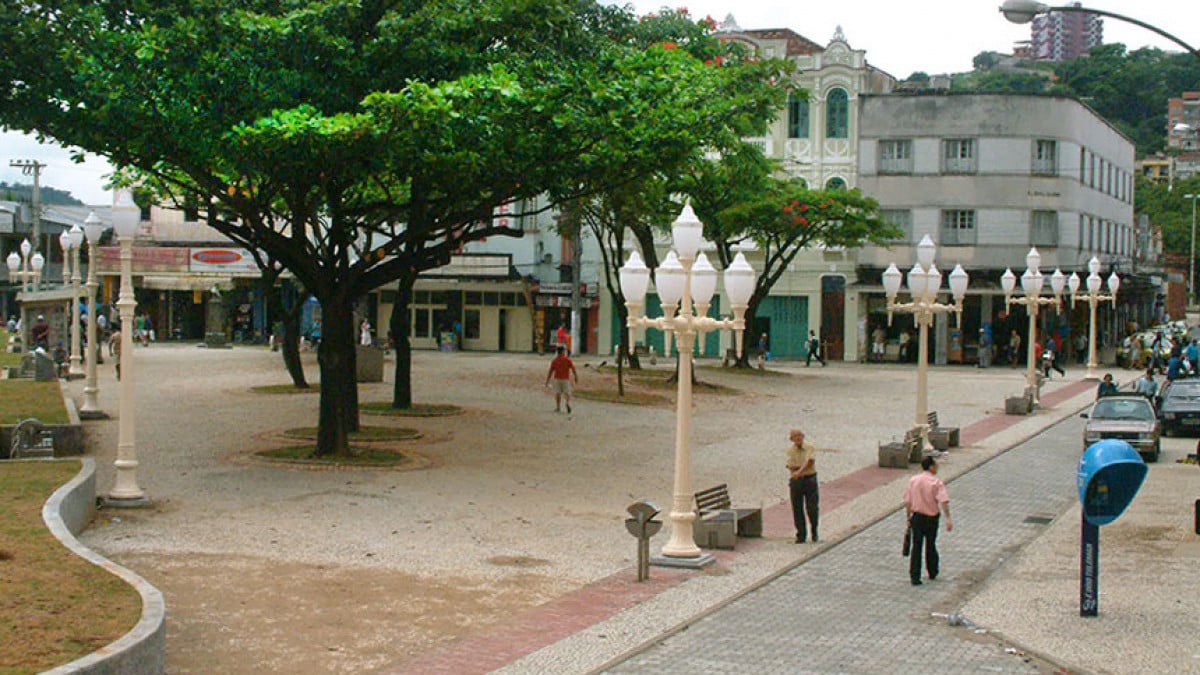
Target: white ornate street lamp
(1094,297)
(71,240)
(126,215)
(682,280)
(25,267)
(93,229)
(1031,283)
(924,284)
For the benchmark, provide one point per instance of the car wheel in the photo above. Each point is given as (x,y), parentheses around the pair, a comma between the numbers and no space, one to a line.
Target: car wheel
(1154,455)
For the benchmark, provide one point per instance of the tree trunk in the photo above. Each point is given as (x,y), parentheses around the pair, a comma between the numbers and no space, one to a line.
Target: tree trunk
(339,389)
(402,388)
(290,307)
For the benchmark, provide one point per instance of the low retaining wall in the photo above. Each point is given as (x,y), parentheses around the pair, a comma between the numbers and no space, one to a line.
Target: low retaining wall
(68,438)
(142,650)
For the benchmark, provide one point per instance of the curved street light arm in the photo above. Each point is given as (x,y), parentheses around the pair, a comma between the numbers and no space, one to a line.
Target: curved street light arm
(1121,17)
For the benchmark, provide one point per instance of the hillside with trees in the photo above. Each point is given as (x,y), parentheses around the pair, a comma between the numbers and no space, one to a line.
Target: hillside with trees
(19,192)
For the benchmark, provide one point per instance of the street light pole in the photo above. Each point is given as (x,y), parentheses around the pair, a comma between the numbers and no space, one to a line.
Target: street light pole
(74,238)
(1094,298)
(1023,11)
(125,490)
(93,229)
(924,283)
(1191,286)
(1032,282)
(682,280)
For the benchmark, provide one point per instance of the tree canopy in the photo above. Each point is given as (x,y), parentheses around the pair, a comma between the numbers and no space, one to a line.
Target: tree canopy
(361,142)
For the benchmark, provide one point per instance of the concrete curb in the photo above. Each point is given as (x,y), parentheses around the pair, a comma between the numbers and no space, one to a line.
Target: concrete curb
(143,649)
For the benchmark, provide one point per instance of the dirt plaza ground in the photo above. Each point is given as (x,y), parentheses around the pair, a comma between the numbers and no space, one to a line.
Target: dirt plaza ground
(280,568)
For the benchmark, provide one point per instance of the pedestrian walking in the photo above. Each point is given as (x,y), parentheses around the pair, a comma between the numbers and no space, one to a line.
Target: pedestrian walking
(985,348)
(561,370)
(1014,349)
(878,338)
(1050,360)
(802,484)
(39,332)
(364,334)
(114,347)
(764,347)
(905,341)
(925,498)
(814,349)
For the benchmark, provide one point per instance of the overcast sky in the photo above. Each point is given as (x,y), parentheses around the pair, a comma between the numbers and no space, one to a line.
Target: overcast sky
(900,36)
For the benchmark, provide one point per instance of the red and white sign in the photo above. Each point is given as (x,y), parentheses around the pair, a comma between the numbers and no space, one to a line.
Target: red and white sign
(227,260)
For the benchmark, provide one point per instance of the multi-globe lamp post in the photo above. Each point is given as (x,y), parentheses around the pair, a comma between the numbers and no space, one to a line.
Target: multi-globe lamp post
(686,281)
(93,229)
(125,216)
(1094,297)
(1032,283)
(71,240)
(25,267)
(924,285)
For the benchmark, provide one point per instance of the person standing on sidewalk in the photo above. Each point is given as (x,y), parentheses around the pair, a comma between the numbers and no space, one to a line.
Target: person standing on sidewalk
(922,498)
(814,349)
(802,484)
(561,369)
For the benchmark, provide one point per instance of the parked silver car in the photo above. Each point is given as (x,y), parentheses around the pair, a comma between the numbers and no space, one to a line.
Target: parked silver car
(1128,417)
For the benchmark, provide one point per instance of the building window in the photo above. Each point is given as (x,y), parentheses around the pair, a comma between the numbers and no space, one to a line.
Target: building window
(1043,229)
(901,219)
(1079,243)
(1091,181)
(895,156)
(1082,165)
(958,155)
(797,121)
(835,183)
(837,114)
(1045,157)
(958,227)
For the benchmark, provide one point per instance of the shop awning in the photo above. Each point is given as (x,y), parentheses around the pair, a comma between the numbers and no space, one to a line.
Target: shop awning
(185,283)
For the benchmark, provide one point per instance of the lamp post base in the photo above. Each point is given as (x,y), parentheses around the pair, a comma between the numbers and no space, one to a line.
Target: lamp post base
(694,563)
(130,503)
(93,415)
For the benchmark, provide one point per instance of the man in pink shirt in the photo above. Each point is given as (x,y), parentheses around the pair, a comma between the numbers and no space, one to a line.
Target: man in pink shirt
(922,498)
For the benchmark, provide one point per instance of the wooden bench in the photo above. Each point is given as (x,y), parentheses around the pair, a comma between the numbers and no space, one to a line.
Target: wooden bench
(897,454)
(718,523)
(940,437)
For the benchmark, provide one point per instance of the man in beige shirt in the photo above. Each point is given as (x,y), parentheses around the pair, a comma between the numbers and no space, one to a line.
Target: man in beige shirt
(802,469)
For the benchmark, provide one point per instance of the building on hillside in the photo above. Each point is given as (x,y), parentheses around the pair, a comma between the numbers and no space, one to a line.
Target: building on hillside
(1062,36)
(1183,122)
(988,176)
(1157,168)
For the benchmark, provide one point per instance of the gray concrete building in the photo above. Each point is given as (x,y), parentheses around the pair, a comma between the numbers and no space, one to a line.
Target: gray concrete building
(988,176)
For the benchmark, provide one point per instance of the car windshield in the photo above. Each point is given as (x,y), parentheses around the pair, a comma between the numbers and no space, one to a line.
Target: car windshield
(1122,409)
(1189,391)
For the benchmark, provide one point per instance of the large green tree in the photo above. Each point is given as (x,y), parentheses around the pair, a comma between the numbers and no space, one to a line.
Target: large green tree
(361,143)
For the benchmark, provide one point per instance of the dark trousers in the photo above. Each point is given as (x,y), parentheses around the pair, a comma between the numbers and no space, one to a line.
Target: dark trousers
(806,497)
(924,536)
(814,352)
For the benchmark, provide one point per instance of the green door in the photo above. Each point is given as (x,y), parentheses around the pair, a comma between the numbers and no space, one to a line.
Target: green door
(787,318)
(711,344)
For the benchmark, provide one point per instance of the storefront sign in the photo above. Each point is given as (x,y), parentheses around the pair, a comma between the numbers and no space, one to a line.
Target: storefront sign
(564,288)
(225,260)
(146,259)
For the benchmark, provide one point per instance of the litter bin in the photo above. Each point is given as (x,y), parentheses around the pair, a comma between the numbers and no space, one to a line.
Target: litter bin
(447,341)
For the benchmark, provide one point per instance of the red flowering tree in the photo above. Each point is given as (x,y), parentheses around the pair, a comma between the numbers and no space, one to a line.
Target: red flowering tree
(742,204)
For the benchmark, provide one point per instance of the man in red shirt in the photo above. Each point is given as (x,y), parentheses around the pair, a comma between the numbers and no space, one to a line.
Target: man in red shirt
(561,369)
(922,498)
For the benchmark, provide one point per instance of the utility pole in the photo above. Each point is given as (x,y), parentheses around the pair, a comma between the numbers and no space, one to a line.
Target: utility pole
(32,167)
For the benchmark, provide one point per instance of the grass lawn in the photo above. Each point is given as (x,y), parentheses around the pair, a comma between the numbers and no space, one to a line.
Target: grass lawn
(7,359)
(22,399)
(417,409)
(287,389)
(362,457)
(631,397)
(55,607)
(364,433)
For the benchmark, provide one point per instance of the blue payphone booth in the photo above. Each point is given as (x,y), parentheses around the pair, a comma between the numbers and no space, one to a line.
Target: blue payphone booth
(1110,474)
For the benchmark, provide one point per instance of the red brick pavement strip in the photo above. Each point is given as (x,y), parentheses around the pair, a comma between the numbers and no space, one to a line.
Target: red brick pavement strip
(563,617)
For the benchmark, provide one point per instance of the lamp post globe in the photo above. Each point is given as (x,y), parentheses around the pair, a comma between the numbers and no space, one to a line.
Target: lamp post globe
(1022,11)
